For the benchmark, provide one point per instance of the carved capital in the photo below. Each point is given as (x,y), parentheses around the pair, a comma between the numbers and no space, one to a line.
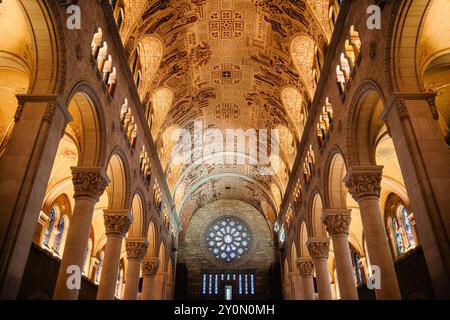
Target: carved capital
(364,181)
(150,266)
(89,182)
(318,247)
(305,267)
(117,221)
(136,247)
(337,221)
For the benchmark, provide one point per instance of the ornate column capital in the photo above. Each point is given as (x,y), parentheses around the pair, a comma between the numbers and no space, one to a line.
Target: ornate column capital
(337,221)
(364,181)
(150,266)
(117,221)
(89,182)
(318,247)
(305,266)
(136,247)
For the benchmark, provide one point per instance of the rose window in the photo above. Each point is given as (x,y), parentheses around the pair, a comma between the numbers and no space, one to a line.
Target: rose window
(228,239)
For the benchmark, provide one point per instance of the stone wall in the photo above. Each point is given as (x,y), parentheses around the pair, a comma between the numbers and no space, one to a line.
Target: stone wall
(195,255)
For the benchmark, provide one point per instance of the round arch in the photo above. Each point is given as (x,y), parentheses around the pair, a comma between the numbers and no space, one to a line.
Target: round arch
(364,123)
(119,189)
(138,213)
(317,226)
(334,183)
(87,117)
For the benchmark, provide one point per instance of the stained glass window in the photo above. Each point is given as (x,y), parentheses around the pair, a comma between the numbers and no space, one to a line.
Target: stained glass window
(228,239)
(59,235)
(356,267)
(407,226)
(397,237)
(49,230)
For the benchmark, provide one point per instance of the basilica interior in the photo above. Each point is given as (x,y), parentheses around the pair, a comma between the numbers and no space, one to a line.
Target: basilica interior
(224,149)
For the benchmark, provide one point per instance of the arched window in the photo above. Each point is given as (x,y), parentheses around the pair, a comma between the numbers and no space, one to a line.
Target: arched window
(54,232)
(397,237)
(340,79)
(407,227)
(120,280)
(400,226)
(98,271)
(49,229)
(59,232)
(357,266)
(118,10)
(87,258)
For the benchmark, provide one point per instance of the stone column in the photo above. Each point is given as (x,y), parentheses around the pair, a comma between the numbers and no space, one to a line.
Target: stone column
(151,290)
(89,184)
(117,223)
(306,269)
(136,250)
(364,185)
(318,249)
(25,168)
(297,288)
(338,222)
(424,158)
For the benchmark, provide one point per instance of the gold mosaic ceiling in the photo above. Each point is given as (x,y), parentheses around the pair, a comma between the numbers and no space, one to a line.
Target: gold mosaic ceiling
(227,63)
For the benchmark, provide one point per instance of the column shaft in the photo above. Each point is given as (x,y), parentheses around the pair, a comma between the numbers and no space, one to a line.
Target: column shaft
(76,242)
(89,185)
(364,184)
(306,268)
(136,250)
(338,223)
(117,223)
(344,267)
(323,279)
(110,268)
(378,247)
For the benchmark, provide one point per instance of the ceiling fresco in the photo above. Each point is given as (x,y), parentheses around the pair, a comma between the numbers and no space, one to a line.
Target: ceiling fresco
(227,63)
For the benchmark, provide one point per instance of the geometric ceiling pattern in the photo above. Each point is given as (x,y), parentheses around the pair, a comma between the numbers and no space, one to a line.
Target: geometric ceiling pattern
(227,63)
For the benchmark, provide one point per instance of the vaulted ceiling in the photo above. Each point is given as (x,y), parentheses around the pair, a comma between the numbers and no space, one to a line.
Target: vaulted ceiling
(225,63)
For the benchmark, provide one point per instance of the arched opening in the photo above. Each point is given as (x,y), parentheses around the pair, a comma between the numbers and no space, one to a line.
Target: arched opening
(138,213)
(434,64)
(16,64)
(318,228)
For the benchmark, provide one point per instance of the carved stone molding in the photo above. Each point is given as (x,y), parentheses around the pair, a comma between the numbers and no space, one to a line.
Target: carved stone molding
(136,247)
(337,221)
(305,267)
(318,247)
(53,103)
(398,102)
(150,266)
(89,182)
(50,111)
(117,221)
(364,181)
(19,112)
